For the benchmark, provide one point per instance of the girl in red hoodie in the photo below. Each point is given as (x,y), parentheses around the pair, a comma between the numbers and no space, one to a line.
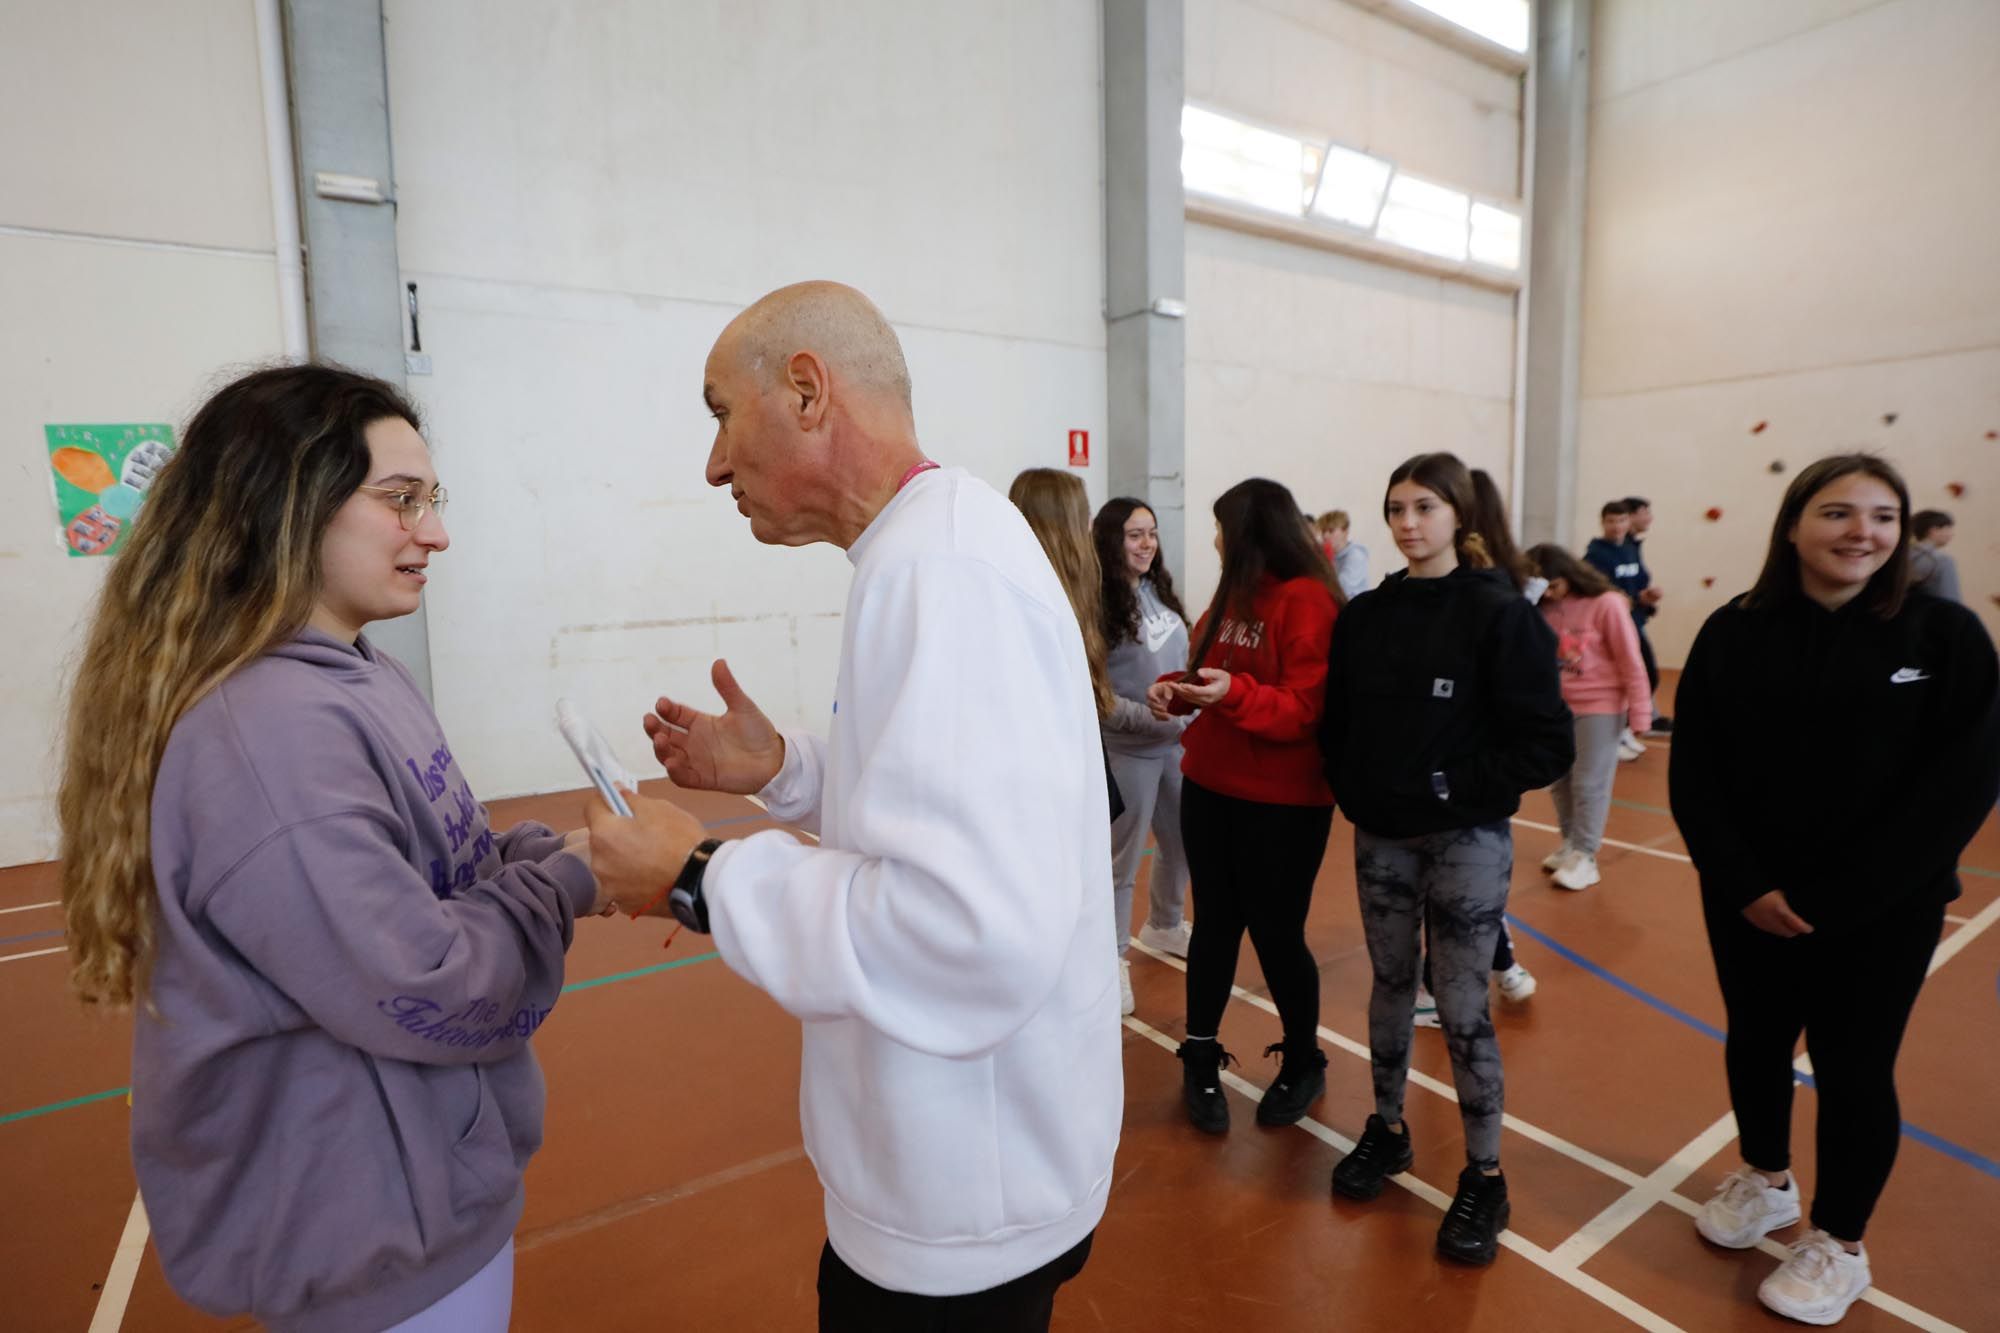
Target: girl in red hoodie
(1255,806)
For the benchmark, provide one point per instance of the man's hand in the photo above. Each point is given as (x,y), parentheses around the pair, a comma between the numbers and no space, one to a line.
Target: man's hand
(637,860)
(1650,596)
(1772,914)
(1203,688)
(739,751)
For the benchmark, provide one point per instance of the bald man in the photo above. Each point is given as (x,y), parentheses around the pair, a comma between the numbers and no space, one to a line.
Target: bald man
(943,943)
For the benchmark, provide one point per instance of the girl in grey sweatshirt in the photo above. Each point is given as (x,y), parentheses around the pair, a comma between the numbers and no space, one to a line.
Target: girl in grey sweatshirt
(333,1091)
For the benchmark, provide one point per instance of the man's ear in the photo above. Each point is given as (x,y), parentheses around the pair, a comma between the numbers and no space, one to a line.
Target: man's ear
(806,379)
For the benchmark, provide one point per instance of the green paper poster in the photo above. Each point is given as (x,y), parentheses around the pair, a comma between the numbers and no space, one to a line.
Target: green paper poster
(100,475)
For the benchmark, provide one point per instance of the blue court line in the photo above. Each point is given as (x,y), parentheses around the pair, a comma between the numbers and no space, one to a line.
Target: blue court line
(38,935)
(1958,1153)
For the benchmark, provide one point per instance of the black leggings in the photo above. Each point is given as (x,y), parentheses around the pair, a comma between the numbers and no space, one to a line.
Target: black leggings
(1851,993)
(1646,656)
(1252,867)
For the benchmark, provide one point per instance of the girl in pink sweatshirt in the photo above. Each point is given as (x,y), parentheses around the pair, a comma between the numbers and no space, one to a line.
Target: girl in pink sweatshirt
(1604,684)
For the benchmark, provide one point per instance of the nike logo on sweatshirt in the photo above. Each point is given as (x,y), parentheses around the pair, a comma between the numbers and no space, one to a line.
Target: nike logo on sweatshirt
(1907,675)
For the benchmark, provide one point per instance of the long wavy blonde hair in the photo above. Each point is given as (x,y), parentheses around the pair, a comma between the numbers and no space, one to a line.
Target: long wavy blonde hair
(1058,512)
(222,564)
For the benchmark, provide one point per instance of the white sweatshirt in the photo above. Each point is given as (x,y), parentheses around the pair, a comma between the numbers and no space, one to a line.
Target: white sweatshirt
(946,943)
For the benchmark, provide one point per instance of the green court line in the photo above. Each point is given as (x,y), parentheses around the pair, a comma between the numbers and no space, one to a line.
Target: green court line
(1975,870)
(53,1107)
(1639,805)
(640,972)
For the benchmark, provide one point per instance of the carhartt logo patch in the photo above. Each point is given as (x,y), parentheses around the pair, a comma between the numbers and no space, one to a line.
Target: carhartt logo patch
(1442,688)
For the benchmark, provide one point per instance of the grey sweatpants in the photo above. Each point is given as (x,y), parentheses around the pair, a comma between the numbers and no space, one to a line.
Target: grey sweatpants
(1151,786)
(1458,879)
(1583,795)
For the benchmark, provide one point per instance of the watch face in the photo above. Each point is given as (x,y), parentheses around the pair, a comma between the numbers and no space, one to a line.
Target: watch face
(687,911)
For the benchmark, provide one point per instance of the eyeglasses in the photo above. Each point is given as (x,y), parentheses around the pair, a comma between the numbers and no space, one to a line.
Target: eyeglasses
(409,508)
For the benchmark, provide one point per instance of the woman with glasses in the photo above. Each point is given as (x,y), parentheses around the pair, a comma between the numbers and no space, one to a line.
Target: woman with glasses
(271,855)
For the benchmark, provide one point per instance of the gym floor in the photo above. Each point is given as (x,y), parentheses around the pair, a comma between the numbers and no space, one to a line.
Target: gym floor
(673,1192)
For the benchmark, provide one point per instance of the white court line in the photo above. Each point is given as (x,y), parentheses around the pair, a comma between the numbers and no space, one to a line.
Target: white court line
(1601,1292)
(1957,920)
(29,907)
(1605,1227)
(1953,944)
(1533,1133)
(38,953)
(117,1291)
(1613,842)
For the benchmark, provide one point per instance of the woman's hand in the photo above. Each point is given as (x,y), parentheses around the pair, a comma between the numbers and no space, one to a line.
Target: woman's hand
(1158,696)
(1773,915)
(1213,684)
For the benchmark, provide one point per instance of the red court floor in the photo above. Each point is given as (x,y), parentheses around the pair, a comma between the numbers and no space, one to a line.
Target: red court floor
(673,1193)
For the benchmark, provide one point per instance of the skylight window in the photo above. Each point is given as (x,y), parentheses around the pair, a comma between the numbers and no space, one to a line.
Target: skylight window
(1496,237)
(1425,217)
(1245,163)
(1351,188)
(1504,22)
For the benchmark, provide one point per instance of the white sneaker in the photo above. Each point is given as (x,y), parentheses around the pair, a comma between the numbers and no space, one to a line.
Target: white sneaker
(1745,1209)
(1628,750)
(1426,1015)
(1517,983)
(1553,861)
(1579,873)
(1818,1283)
(1126,1004)
(1168,939)
(1628,741)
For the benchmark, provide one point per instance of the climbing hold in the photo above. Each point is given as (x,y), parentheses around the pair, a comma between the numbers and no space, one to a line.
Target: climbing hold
(1759,428)
(1712,515)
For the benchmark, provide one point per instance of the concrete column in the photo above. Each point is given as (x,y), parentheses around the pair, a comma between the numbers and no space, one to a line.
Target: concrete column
(1145,263)
(354,295)
(1558,156)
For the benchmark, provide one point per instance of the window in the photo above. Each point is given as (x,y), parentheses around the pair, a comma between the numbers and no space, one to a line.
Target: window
(1351,187)
(1504,22)
(1425,217)
(1232,160)
(1496,237)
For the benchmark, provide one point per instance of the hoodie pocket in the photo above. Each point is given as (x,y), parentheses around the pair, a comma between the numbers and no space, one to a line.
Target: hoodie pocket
(482,1160)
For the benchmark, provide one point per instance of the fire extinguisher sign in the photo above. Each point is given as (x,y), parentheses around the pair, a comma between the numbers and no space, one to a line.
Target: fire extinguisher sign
(1079,448)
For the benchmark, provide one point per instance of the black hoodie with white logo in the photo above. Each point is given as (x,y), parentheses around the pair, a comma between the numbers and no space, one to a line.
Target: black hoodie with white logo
(1842,758)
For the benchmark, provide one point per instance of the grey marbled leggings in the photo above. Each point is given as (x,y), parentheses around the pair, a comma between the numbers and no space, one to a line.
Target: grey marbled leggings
(1459,880)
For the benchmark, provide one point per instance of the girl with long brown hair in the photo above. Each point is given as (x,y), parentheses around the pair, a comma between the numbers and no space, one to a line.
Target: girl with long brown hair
(1828,853)
(1442,707)
(269,851)
(1255,805)
(1147,631)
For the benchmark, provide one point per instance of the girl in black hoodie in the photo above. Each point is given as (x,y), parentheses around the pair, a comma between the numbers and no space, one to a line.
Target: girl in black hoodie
(1824,885)
(1443,705)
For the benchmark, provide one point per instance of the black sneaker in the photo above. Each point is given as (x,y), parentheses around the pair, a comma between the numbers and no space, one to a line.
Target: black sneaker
(1380,1154)
(1662,726)
(1477,1216)
(1202,1063)
(1301,1081)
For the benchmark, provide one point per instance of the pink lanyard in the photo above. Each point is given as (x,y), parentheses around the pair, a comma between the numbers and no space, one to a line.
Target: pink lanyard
(914,473)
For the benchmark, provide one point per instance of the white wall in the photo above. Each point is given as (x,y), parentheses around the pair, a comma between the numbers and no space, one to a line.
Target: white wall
(1789,221)
(1320,370)
(137,123)
(588,193)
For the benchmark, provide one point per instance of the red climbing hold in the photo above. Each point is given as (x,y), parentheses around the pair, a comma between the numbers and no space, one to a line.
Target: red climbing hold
(1708,583)
(1955,489)
(1712,515)
(1758,429)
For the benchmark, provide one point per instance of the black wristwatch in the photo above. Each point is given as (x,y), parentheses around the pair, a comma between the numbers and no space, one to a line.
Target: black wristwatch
(687,902)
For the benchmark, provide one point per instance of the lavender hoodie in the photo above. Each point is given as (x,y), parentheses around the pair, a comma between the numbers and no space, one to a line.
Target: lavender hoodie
(332,1093)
